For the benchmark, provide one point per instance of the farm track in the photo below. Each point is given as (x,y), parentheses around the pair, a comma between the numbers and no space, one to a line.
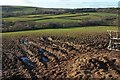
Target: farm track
(66,59)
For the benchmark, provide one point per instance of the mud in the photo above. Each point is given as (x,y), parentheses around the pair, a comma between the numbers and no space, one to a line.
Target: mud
(55,58)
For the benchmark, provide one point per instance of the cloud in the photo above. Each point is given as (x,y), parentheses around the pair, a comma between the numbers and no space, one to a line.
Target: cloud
(61,3)
(15,2)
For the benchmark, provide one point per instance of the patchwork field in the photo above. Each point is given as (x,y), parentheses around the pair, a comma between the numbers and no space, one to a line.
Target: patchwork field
(64,17)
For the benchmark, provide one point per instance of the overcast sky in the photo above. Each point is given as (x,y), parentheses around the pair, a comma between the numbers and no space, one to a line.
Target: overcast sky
(62,3)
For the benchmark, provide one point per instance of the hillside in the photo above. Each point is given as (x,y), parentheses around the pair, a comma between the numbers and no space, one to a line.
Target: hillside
(17,18)
(22,10)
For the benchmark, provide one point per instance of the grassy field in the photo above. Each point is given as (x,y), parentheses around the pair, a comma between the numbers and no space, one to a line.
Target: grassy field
(62,20)
(62,17)
(66,20)
(71,32)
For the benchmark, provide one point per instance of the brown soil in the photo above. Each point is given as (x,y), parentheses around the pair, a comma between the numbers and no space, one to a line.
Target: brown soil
(69,58)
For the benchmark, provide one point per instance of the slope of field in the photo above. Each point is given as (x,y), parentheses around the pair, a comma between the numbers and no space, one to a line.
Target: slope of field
(77,53)
(72,32)
(66,20)
(77,16)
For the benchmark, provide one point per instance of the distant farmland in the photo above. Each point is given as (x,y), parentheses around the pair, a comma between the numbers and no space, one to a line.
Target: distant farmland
(27,18)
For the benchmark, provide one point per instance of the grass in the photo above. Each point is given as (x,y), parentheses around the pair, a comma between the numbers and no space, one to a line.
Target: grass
(13,19)
(60,18)
(57,20)
(72,32)
(36,15)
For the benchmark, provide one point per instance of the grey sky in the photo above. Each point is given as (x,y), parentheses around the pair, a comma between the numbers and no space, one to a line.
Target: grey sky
(62,3)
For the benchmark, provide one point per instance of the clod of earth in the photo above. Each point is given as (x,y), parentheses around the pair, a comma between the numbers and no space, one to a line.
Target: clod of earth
(60,59)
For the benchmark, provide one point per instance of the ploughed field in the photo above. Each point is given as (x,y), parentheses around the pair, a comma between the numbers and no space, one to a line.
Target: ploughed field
(46,57)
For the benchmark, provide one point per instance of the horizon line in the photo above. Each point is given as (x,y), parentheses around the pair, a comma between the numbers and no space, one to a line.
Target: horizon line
(55,7)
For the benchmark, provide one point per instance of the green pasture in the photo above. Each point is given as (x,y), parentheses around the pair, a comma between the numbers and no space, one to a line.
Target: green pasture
(72,32)
(62,17)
